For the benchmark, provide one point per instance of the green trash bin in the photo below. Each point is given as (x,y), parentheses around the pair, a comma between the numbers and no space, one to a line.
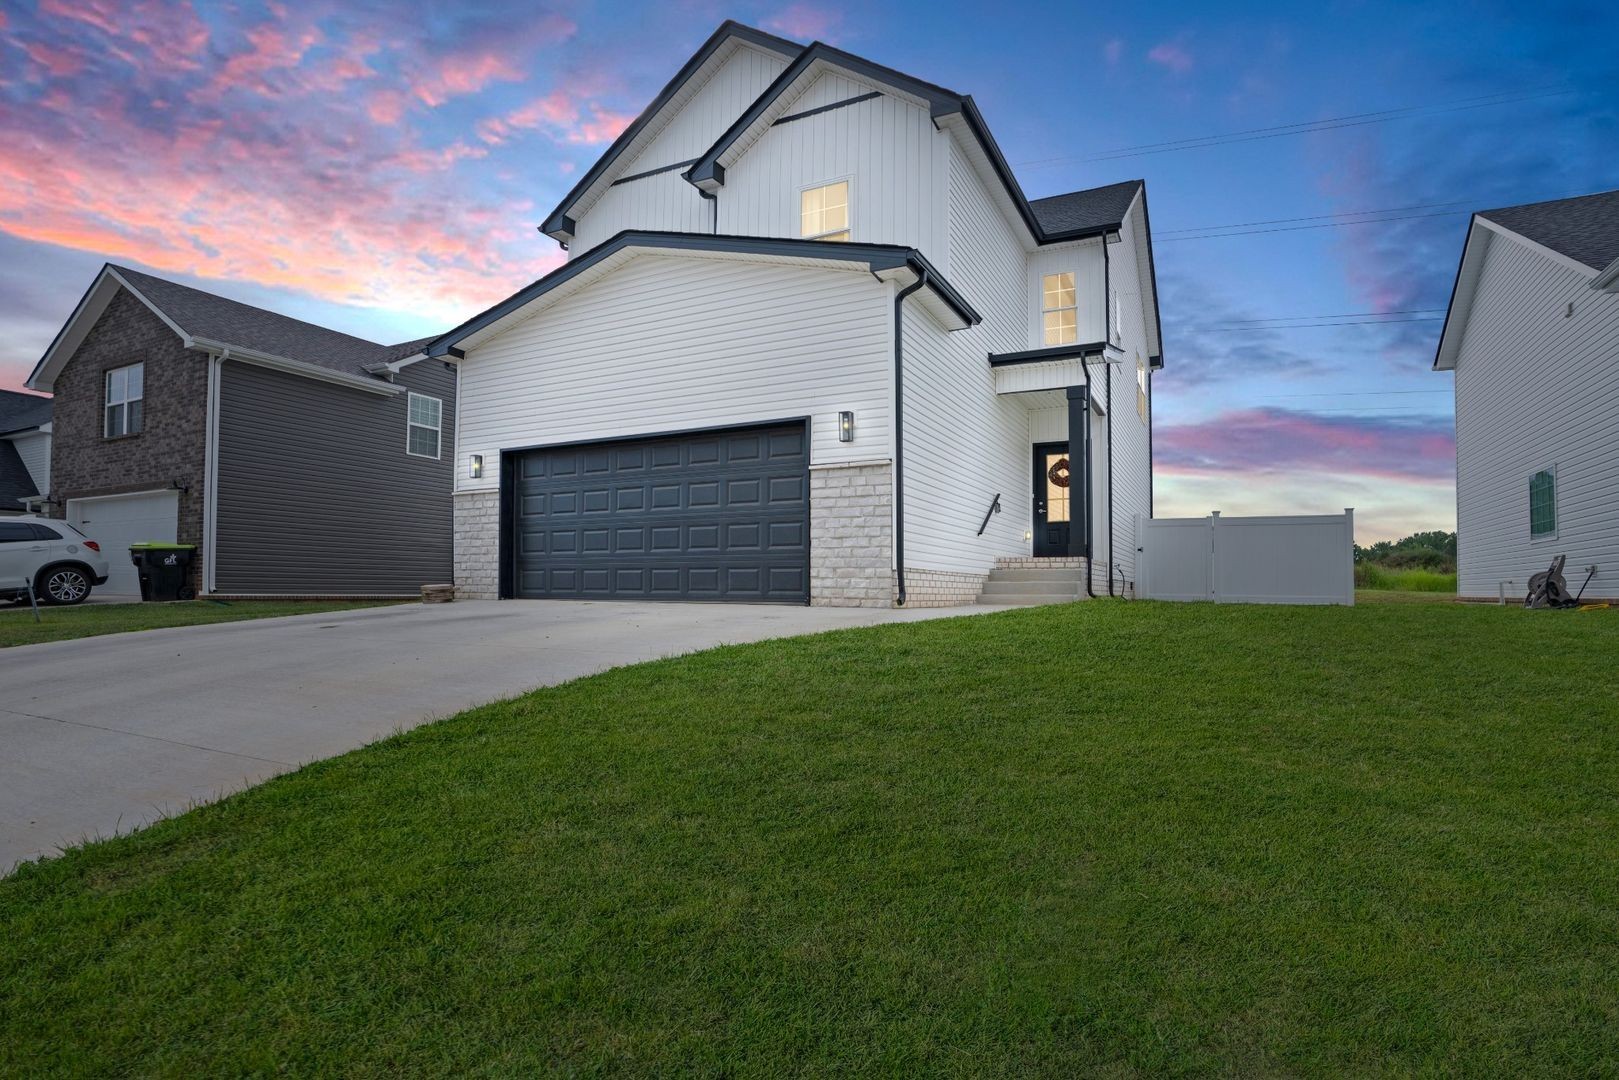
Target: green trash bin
(165,570)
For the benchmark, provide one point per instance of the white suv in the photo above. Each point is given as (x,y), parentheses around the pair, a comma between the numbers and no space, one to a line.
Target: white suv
(62,562)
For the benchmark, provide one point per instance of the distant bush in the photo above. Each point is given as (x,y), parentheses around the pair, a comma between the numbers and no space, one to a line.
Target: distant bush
(1418,559)
(1412,579)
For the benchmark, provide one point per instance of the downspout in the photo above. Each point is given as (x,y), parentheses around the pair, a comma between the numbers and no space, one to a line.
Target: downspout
(1090,551)
(899,429)
(714,208)
(1108,372)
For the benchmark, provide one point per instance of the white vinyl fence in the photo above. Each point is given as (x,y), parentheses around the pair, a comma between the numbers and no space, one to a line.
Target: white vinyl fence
(1307,559)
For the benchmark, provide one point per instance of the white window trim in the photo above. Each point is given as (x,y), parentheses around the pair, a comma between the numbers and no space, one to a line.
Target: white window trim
(107,402)
(438,443)
(798,208)
(1557,519)
(1044,311)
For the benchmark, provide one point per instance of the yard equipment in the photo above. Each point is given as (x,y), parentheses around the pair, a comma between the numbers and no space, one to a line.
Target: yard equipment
(1547,589)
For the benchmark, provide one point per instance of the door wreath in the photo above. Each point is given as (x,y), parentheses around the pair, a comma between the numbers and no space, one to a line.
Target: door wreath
(1058,473)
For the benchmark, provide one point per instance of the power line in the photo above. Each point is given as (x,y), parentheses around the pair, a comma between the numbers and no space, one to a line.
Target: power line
(1304,127)
(1162,233)
(1340,315)
(1354,393)
(1315,326)
(1297,228)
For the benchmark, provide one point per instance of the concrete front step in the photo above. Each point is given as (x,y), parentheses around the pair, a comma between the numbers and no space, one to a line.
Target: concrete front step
(1025,599)
(1031,562)
(1038,573)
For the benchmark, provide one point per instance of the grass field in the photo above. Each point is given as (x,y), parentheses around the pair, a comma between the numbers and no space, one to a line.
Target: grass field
(17,625)
(1100,838)
(1372,576)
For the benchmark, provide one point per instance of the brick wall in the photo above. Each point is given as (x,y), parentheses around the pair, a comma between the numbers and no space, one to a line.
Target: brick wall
(942,588)
(477,545)
(171,447)
(852,536)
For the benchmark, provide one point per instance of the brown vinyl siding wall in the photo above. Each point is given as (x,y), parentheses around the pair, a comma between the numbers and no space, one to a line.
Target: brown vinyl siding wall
(316,495)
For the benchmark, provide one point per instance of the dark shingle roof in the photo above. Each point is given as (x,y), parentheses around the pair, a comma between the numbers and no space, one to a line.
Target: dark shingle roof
(15,483)
(19,412)
(1586,228)
(1090,209)
(205,315)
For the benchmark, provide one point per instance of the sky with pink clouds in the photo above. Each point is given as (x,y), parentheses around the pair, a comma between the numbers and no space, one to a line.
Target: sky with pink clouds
(380,168)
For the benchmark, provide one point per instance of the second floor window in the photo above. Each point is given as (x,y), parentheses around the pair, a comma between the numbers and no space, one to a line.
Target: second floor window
(125,393)
(823,212)
(1059,310)
(424,425)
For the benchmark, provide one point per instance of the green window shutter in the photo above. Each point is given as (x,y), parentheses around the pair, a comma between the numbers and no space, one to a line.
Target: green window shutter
(1543,503)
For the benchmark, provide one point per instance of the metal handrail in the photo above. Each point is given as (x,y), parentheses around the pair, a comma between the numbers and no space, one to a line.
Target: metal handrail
(994,508)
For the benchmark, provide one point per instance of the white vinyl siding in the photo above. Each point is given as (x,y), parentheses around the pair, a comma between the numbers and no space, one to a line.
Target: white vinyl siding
(886,146)
(666,201)
(720,342)
(34,448)
(1132,439)
(424,426)
(1535,388)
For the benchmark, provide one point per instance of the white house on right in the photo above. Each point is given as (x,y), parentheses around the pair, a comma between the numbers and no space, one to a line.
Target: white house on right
(1532,335)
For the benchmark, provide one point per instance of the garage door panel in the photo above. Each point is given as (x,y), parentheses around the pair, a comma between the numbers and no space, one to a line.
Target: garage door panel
(722,516)
(117,521)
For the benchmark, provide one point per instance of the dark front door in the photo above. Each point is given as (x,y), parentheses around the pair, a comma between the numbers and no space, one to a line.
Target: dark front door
(1052,477)
(711,515)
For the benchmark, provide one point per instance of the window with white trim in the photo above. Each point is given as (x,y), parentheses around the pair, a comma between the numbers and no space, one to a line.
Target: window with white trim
(424,425)
(126,392)
(1059,308)
(823,212)
(1543,504)
(1141,387)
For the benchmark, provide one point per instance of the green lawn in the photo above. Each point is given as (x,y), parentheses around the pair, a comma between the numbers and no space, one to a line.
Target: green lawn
(1103,838)
(17,625)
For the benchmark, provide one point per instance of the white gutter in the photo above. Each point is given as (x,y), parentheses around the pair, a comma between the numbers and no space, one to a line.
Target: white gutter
(294,367)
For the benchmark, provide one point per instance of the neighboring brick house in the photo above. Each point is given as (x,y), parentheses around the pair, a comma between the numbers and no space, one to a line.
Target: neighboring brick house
(300,461)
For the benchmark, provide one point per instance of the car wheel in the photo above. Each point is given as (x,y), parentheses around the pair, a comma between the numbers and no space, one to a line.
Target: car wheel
(63,585)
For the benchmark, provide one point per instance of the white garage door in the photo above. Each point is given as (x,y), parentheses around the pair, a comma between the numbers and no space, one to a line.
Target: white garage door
(117,521)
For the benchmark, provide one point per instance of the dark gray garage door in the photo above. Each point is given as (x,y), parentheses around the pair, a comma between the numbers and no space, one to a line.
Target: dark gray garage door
(720,515)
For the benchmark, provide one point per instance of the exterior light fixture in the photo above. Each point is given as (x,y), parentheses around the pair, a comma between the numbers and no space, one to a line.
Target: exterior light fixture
(475,466)
(845,427)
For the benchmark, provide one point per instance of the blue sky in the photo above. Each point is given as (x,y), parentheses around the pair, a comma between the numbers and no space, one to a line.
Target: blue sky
(381,172)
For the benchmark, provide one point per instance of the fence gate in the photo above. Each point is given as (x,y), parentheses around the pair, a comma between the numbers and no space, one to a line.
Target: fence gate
(1302,559)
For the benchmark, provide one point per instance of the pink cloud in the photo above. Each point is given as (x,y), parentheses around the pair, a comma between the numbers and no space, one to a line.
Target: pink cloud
(56,62)
(1170,55)
(563,115)
(806,22)
(1273,442)
(168,30)
(464,75)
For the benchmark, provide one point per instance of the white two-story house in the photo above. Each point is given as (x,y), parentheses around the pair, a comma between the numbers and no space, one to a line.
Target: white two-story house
(812,344)
(1532,335)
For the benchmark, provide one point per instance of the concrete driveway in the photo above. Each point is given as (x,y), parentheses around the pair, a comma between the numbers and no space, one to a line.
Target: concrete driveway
(102,735)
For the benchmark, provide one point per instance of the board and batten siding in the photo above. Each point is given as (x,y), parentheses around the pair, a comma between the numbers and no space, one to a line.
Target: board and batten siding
(1536,389)
(666,201)
(679,343)
(316,495)
(885,147)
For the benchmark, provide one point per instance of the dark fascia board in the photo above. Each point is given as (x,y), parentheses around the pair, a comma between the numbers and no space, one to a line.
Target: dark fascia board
(559,220)
(937,98)
(877,257)
(1042,356)
(1455,287)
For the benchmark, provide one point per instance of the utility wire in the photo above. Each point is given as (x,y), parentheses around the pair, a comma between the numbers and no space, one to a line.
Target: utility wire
(1298,228)
(1162,233)
(1305,127)
(1353,393)
(1315,326)
(1340,315)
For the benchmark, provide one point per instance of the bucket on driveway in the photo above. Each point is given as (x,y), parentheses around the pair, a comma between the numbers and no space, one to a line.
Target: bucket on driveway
(165,570)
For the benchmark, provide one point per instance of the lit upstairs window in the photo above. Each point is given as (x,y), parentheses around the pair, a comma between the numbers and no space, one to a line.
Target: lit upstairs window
(824,212)
(1059,310)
